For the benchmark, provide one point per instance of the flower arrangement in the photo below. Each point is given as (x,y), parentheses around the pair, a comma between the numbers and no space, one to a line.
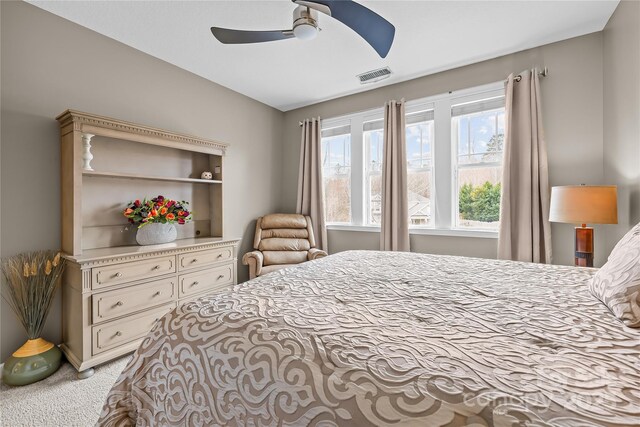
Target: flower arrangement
(159,210)
(32,280)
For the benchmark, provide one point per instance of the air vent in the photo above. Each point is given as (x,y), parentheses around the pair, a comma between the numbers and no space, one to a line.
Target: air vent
(374,76)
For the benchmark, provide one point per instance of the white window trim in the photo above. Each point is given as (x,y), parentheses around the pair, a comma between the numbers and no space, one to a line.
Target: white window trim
(444,175)
(427,231)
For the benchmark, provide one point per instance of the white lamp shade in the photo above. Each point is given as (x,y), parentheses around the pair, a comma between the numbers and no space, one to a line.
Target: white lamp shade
(584,204)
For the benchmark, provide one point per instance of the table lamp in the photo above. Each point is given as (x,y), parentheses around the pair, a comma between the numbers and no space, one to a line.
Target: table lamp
(584,204)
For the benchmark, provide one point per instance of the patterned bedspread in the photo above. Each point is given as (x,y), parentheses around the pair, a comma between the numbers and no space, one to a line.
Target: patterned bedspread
(376,338)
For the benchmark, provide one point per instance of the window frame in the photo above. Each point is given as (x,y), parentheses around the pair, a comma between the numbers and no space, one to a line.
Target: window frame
(413,107)
(329,128)
(455,167)
(444,171)
(368,174)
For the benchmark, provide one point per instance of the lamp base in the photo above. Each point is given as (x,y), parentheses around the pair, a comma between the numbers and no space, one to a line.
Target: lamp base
(584,246)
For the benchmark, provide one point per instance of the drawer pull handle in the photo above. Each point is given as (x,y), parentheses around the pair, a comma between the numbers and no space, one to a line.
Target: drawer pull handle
(119,303)
(156,267)
(220,276)
(194,283)
(157,294)
(157,318)
(118,333)
(194,260)
(219,255)
(118,274)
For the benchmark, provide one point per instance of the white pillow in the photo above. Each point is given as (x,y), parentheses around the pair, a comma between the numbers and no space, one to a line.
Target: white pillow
(625,239)
(617,283)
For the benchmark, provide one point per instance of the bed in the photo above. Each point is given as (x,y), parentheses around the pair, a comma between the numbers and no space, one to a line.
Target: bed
(378,338)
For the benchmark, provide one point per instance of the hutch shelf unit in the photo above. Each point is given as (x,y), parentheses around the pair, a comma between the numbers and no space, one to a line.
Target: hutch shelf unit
(113,291)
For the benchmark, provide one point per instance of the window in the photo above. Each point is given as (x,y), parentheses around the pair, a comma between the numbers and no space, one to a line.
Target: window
(478,133)
(419,137)
(373,135)
(336,174)
(454,155)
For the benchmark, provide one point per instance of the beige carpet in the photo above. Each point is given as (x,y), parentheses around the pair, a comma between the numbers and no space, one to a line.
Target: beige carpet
(61,399)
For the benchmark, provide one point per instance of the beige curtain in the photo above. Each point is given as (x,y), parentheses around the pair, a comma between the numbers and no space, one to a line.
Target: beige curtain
(525,232)
(310,198)
(394,233)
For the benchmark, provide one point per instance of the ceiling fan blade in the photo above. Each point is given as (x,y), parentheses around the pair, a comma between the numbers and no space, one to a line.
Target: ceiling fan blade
(228,36)
(376,30)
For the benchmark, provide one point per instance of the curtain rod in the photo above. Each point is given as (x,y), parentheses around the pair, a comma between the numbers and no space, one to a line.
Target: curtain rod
(301,123)
(543,73)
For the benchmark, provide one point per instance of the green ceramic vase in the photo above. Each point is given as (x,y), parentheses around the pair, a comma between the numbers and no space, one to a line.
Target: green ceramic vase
(34,361)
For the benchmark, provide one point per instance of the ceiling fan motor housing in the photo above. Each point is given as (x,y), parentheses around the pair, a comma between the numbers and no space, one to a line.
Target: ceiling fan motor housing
(305,23)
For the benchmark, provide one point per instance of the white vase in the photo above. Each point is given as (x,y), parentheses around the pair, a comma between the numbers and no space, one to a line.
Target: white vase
(156,233)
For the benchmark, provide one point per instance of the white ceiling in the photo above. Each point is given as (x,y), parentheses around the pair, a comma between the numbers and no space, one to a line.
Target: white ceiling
(431,36)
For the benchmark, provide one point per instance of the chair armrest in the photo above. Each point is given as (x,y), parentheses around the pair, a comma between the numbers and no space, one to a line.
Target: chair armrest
(315,254)
(254,260)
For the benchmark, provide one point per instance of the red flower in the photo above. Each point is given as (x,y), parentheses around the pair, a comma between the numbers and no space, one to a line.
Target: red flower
(157,210)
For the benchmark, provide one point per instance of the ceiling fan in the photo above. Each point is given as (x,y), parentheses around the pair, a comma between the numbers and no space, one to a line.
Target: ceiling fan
(373,28)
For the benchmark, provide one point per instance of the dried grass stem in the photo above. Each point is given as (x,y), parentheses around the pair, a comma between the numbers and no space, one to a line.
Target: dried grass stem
(31,282)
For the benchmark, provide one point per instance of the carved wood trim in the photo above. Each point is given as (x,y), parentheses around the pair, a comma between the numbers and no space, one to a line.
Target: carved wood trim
(86,280)
(139,256)
(85,122)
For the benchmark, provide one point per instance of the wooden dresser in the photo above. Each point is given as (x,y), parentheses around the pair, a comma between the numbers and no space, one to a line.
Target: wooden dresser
(113,290)
(112,297)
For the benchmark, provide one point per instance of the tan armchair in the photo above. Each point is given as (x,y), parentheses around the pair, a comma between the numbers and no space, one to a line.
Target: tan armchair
(281,240)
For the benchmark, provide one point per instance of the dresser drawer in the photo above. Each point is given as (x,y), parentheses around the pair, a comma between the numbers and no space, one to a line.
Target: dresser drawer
(128,272)
(211,279)
(204,258)
(120,302)
(119,332)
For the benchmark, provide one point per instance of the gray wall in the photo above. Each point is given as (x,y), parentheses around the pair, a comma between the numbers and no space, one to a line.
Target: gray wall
(622,114)
(50,64)
(572,99)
